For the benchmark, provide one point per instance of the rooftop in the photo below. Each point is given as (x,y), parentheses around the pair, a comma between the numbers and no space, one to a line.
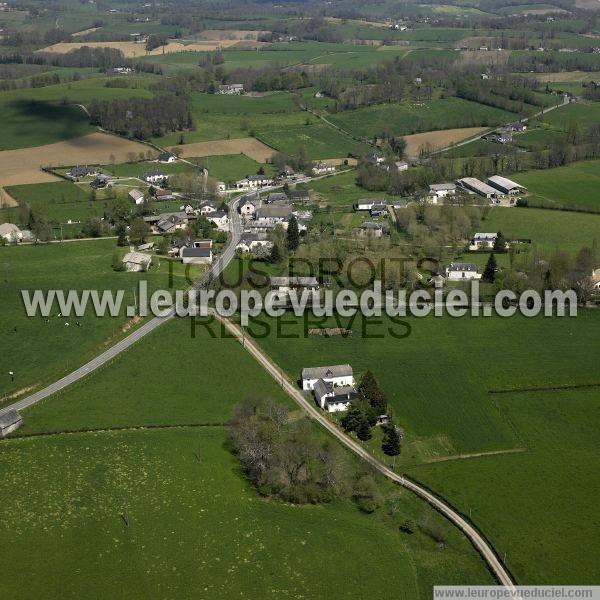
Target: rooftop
(327,372)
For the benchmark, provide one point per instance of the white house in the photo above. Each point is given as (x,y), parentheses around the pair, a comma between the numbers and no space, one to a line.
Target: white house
(10,233)
(137,261)
(249,207)
(137,196)
(285,285)
(155,177)
(368,203)
(441,190)
(220,218)
(274,213)
(462,271)
(208,207)
(375,158)
(322,168)
(9,422)
(370,228)
(250,242)
(401,165)
(166,157)
(231,88)
(331,398)
(483,240)
(336,375)
(253,182)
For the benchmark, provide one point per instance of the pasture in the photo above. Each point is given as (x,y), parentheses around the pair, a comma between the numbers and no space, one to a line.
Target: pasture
(319,140)
(231,167)
(436,140)
(576,186)
(438,381)
(539,497)
(168,511)
(43,350)
(404,118)
(549,229)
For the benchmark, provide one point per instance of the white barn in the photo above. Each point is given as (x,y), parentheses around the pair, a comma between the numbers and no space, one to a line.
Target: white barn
(504,185)
(462,271)
(337,375)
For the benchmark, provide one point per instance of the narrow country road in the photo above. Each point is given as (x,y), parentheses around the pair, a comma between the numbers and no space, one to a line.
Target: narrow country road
(480,543)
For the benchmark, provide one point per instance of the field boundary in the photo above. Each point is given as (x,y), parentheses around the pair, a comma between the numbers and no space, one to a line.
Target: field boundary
(106,429)
(550,388)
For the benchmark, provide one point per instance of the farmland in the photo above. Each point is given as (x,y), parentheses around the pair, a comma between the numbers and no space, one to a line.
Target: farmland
(24,165)
(231,167)
(113,485)
(250,147)
(545,227)
(453,413)
(45,349)
(576,186)
(404,119)
(435,140)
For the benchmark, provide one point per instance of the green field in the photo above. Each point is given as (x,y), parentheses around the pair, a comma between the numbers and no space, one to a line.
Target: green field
(33,117)
(532,504)
(60,201)
(231,167)
(404,119)
(549,229)
(318,139)
(576,186)
(43,351)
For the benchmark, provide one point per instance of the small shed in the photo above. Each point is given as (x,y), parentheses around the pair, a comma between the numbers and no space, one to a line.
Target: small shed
(10,421)
(137,261)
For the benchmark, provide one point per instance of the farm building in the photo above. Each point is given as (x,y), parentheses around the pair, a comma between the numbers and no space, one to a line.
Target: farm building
(83,171)
(375,158)
(275,213)
(169,222)
(299,196)
(332,398)
(336,375)
(196,255)
(441,190)
(462,271)
(401,165)
(276,197)
(368,203)
(166,157)
(137,261)
(163,195)
(250,205)
(369,228)
(504,185)
(10,421)
(136,196)
(479,187)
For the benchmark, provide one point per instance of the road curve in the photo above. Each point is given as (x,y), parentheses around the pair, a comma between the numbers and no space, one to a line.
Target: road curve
(220,264)
(482,546)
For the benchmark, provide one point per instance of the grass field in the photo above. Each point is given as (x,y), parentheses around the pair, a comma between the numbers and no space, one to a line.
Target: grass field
(547,228)
(230,168)
(42,350)
(60,201)
(318,139)
(34,117)
(576,186)
(540,497)
(404,119)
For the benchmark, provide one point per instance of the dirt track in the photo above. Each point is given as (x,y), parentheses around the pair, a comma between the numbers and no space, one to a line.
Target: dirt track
(24,165)
(249,146)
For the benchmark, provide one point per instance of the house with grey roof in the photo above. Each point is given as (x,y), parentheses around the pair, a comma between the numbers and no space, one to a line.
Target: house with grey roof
(10,233)
(332,398)
(441,190)
(462,271)
(10,421)
(287,284)
(335,375)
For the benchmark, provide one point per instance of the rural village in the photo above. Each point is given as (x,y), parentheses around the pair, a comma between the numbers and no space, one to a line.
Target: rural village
(290,148)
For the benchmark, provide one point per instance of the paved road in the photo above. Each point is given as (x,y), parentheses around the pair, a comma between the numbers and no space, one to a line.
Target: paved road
(482,546)
(221,263)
